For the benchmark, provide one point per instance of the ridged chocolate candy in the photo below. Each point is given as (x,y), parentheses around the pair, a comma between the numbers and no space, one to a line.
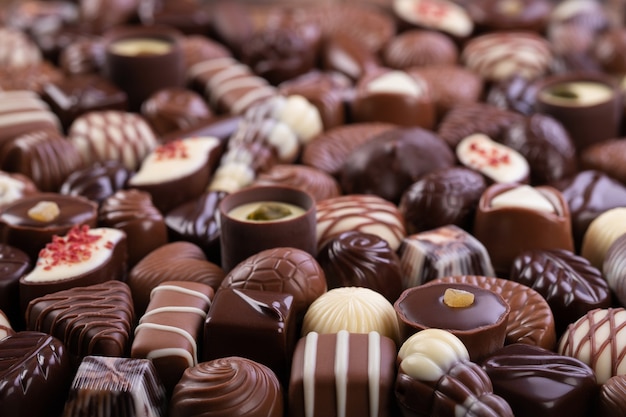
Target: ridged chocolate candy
(360,259)
(116,386)
(568,282)
(442,197)
(613,268)
(289,270)
(389,163)
(177,261)
(104,135)
(416,48)
(443,16)
(365,213)
(317,182)
(97,182)
(35,375)
(132,211)
(92,320)
(612,397)
(599,339)
(330,149)
(538,382)
(530,321)
(227,386)
(42,155)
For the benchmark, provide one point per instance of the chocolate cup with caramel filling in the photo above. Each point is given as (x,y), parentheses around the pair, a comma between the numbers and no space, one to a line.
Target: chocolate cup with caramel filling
(481,326)
(588,119)
(241,238)
(508,231)
(143,59)
(18,229)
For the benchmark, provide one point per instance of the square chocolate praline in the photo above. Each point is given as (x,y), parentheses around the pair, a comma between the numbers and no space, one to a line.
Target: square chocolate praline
(254,324)
(74,96)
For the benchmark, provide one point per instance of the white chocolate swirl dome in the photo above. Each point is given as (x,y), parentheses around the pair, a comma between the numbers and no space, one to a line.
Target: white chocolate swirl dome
(355,309)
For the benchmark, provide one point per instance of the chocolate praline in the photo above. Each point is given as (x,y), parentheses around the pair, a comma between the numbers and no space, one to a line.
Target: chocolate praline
(318,183)
(173,109)
(416,48)
(607,156)
(348,56)
(30,235)
(493,15)
(14,263)
(360,259)
(388,164)
(96,182)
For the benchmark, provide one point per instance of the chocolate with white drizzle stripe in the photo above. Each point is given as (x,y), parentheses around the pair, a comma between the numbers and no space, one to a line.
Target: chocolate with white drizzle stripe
(342,374)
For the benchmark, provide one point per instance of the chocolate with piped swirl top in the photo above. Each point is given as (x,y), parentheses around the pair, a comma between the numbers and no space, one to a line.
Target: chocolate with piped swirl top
(42,155)
(365,213)
(92,320)
(176,261)
(318,183)
(568,282)
(330,149)
(358,259)
(287,270)
(132,211)
(225,387)
(612,397)
(530,320)
(117,387)
(98,181)
(613,268)
(197,48)
(35,375)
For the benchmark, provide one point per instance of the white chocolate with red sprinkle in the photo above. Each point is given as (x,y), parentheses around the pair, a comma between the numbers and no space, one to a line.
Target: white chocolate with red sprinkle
(442,15)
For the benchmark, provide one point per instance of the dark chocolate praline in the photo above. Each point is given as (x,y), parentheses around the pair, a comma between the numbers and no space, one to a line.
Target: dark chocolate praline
(98,181)
(14,263)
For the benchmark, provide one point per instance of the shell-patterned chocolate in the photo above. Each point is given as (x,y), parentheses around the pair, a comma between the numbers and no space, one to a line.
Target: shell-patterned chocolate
(330,149)
(112,134)
(116,386)
(599,339)
(176,261)
(287,270)
(92,320)
(317,182)
(365,213)
(44,156)
(133,212)
(568,282)
(35,374)
(612,397)
(225,387)
(530,320)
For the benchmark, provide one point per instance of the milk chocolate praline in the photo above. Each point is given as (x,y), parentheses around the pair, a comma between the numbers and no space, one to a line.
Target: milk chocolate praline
(174,108)
(97,182)
(20,230)
(481,326)
(492,15)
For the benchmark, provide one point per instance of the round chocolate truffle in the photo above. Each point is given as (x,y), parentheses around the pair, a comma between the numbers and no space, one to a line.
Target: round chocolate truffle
(388,164)
(361,259)
(608,156)
(227,386)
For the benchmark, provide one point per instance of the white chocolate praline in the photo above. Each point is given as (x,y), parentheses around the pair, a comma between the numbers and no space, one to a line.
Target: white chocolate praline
(355,309)
(523,196)
(444,16)
(494,160)
(397,82)
(231,177)
(100,252)
(598,339)
(302,117)
(601,233)
(577,94)
(10,189)
(243,211)
(429,354)
(158,168)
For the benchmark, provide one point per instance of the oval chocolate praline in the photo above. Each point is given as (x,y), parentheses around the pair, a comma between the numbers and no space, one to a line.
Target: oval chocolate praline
(362,260)
(98,181)
(442,197)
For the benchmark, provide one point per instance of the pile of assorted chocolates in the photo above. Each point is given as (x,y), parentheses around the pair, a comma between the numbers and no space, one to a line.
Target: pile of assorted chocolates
(408,208)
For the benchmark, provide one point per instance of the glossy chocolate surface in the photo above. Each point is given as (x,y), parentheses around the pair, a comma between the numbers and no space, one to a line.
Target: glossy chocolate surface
(35,375)
(74,96)
(97,182)
(538,382)
(318,183)
(607,157)
(14,263)
(116,385)
(254,324)
(29,235)
(91,320)
(481,326)
(352,391)
(613,269)
(227,386)
(568,282)
(170,331)
(357,259)
(173,109)
(442,197)
(176,261)
(388,164)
